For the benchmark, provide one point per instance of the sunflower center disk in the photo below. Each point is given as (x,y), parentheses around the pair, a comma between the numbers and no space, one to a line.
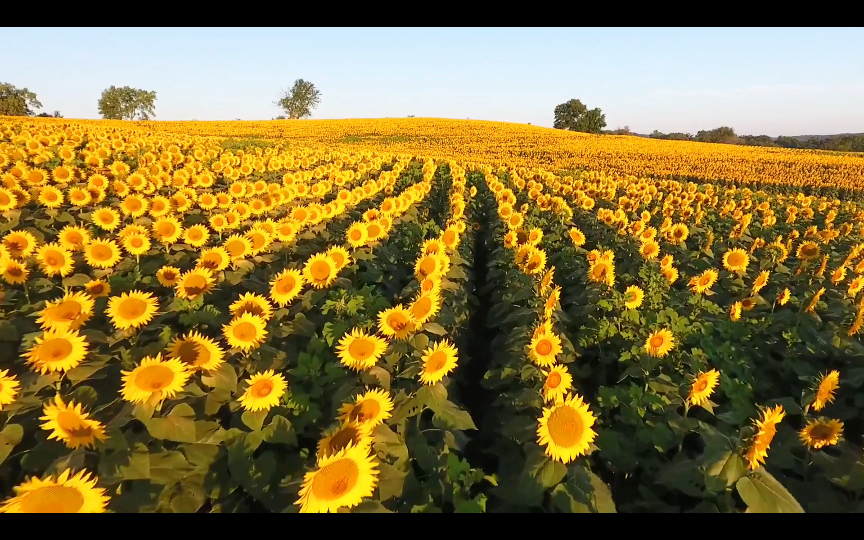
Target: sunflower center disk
(52,499)
(335,480)
(565,427)
(154,378)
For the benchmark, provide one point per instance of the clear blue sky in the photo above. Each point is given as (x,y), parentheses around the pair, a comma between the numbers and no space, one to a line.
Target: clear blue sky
(759,81)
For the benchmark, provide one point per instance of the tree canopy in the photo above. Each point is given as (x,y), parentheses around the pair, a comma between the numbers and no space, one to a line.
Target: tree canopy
(17,101)
(126,103)
(300,100)
(575,116)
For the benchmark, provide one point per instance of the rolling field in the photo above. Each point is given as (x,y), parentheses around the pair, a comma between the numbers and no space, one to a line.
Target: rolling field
(421,315)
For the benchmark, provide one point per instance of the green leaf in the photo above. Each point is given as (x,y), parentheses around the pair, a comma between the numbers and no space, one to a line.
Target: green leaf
(435,328)
(453,417)
(551,473)
(178,426)
(729,467)
(602,495)
(8,332)
(224,378)
(254,420)
(763,494)
(126,464)
(9,437)
(168,467)
(78,280)
(280,431)
(370,507)
(390,481)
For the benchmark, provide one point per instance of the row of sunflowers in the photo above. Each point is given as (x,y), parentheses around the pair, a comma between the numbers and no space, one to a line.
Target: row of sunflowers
(179,340)
(318,329)
(523,145)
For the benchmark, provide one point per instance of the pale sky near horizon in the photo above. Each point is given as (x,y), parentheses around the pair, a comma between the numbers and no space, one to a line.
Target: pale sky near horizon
(771,81)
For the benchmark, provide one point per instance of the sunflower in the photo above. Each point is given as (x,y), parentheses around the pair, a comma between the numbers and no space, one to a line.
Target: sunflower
(69,312)
(263,391)
(356,235)
(64,494)
(154,379)
(339,256)
(633,297)
(565,429)
(371,408)
(766,428)
(425,307)
(215,259)
(396,322)
(167,229)
(666,262)
(433,246)
(602,271)
(237,247)
(735,311)
(57,350)
(8,200)
(821,433)
(8,388)
(136,244)
(341,480)
(808,251)
(545,347)
(558,383)
(825,392)
(197,352)
(286,286)
(245,332)
(536,262)
(196,235)
(783,297)
(857,323)
(760,281)
(20,244)
(168,276)
(349,434)
(649,250)
(194,283)
(438,360)
(551,303)
(320,271)
(70,424)
(106,218)
(659,343)
(102,253)
(360,351)
(811,306)
(431,266)
(254,304)
(74,238)
(14,273)
(705,281)
(736,260)
(702,387)
(679,233)
(132,310)
(548,279)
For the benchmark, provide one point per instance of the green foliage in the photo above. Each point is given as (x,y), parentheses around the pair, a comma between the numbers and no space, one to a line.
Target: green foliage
(17,101)
(127,103)
(299,101)
(575,116)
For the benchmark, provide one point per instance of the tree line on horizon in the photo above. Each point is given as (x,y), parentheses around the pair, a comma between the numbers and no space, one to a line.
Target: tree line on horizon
(127,103)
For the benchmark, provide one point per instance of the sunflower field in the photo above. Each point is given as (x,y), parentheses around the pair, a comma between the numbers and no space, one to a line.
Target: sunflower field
(194,321)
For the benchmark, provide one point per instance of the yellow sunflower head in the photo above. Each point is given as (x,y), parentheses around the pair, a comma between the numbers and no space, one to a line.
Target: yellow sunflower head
(263,391)
(245,332)
(70,424)
(565,429)
(371,408)
(57,350)
(64,494)
(341,480)
(132,310)
(438,360)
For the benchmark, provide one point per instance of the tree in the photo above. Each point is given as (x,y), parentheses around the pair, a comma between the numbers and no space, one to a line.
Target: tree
(300,100)
(17,101)
(127,103)
(723,134)
(575,116)
(46,115)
